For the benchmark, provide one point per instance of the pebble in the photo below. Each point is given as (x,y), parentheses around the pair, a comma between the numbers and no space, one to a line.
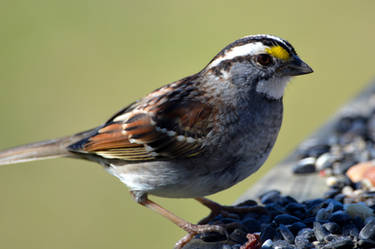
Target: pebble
(347,190)
(324,161)
(359,209)
(332,227)
(296,209)
(270,197)
(267,243)
(305,166)
(306,233)
(368,231)
(342,243)
(248,203)
(370,175)
(340,217)
(350,230)
(324,214)
(268,232)
(360,171)
(211,237)
(295,227)
(344,125)
(302,243)
(252,225)
(313,149)
(371,127)
(238,236)
(336,204)
(230,247)
(286,219)
(320,232)
(286,233)
(366,243)
(331,193)
(331,181)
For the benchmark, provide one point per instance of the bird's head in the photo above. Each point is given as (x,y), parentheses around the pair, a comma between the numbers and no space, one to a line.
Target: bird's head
(264,63)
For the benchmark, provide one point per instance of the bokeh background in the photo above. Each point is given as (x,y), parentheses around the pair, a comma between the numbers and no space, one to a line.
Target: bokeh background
(66,66)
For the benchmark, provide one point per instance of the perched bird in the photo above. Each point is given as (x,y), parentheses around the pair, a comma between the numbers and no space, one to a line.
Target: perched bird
(193,137)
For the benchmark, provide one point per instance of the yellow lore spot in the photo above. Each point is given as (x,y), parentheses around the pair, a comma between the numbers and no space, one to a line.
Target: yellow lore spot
(278,52)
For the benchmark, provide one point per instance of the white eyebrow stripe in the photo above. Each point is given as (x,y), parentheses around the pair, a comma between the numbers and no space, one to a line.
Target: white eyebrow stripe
(247,49)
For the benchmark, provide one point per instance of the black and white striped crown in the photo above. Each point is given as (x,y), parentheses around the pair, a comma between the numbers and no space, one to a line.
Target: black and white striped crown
(252,45)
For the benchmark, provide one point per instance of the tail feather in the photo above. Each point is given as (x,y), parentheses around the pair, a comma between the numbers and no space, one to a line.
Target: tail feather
(41,150)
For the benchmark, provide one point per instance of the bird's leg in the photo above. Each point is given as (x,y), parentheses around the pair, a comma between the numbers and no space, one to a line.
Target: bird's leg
(226,211)
(191,229)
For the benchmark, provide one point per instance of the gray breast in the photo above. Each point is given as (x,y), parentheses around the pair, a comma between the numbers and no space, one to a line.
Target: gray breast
(247,144)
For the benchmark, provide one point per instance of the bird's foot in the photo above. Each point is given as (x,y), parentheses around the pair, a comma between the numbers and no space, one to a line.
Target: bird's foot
(193,230)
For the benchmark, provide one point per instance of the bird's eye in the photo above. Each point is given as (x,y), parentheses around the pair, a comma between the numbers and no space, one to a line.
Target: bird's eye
(264,59)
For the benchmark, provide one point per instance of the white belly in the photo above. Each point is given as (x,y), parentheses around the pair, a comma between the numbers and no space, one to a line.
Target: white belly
(157,178)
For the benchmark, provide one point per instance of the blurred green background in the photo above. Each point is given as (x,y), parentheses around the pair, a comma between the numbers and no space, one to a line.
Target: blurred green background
(66,66)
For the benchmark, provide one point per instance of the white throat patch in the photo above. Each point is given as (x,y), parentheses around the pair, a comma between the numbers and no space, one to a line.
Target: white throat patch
(273,88)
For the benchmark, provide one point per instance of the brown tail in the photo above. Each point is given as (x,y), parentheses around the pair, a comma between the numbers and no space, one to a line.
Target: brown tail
(41,150)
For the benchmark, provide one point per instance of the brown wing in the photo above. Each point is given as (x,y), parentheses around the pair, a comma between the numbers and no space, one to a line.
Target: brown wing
(155,128)
(117,139)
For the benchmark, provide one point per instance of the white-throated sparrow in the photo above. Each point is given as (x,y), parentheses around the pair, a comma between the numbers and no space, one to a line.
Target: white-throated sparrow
(193,137)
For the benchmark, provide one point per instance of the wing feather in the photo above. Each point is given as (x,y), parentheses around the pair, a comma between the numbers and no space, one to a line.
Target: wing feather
(155,128)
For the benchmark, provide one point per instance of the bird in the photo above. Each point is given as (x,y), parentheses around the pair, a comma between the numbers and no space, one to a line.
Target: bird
(193,137)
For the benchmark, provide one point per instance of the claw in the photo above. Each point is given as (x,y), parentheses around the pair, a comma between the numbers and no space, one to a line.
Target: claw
(198,229)
(183,241)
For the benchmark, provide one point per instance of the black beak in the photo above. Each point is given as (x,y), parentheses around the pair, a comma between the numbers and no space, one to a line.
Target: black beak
(295,67)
